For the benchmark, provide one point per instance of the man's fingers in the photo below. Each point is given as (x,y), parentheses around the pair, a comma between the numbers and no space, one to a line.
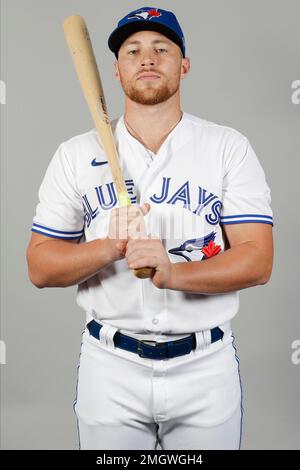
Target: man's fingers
(128,222)
(145,208)
(149,261)
(140,244)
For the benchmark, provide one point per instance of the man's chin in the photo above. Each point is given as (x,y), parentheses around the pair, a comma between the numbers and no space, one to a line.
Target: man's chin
(150,101)
(149,96)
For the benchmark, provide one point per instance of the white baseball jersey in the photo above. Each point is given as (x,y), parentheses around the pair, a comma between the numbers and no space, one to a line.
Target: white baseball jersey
(204,176)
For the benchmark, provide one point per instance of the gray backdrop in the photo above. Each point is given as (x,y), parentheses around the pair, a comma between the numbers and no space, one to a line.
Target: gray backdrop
(244,62)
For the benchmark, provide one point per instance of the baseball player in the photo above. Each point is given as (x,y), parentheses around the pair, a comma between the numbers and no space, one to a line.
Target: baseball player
(158,364)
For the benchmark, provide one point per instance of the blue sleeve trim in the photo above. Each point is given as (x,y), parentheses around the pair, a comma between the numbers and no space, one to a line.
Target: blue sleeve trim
(246,218)
(247,222)
(258,216)
(57,231)
(55,236)
(50,232)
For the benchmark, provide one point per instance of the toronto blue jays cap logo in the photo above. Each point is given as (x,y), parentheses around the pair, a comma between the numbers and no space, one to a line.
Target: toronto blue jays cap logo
(145,14)
(205,244)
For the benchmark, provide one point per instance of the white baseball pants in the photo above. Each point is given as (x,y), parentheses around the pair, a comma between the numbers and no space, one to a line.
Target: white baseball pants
(188,402)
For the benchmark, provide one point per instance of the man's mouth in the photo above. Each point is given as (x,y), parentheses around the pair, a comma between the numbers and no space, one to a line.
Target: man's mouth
(148,76)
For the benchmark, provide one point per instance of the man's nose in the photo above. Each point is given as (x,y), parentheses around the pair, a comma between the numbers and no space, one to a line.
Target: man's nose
(147,59)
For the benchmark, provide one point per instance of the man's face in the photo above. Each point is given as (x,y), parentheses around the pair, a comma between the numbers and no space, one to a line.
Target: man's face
(150,67)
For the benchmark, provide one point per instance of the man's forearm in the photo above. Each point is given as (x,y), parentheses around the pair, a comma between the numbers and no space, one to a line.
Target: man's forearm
(58,263)
(237,268)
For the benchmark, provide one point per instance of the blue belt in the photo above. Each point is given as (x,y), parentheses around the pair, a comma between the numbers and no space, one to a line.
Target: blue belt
(163,350)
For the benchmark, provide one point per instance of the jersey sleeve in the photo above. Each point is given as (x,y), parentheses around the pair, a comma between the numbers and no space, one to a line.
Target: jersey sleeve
(246,196)
(59,212)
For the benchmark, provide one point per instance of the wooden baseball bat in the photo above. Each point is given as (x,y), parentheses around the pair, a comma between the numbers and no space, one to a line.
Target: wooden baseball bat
(81,50)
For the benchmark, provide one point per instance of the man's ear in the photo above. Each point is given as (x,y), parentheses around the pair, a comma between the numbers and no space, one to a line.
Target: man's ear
(117,74)
(185,67)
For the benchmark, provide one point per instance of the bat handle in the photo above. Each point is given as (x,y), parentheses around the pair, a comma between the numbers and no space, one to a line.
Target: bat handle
(144,273)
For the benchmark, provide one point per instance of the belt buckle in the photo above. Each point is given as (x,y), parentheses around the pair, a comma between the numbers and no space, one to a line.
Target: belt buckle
(140,351)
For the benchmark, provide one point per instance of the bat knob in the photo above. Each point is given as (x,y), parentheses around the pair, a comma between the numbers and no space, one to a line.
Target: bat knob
(144,273)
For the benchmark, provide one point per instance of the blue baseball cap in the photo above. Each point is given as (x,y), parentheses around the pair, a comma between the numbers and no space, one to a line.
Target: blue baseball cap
(147,18)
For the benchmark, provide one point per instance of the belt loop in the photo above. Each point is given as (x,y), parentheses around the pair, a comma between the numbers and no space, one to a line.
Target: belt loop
(203,339)
(106,335)
(207,338)
(199,340)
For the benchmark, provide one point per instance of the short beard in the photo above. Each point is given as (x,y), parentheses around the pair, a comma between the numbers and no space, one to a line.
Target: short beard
(146,97)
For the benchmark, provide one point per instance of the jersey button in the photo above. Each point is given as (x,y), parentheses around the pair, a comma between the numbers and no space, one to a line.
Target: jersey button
(155,321)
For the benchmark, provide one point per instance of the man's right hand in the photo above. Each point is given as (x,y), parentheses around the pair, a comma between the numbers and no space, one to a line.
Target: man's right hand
(125,223)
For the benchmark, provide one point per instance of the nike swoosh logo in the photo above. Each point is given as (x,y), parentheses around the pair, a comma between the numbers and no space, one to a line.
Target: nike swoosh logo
(95,163)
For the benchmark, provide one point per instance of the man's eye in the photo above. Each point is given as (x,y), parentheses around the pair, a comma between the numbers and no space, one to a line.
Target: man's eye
(134,51)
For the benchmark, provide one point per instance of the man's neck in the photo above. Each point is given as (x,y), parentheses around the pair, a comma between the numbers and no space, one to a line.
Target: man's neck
(151,124)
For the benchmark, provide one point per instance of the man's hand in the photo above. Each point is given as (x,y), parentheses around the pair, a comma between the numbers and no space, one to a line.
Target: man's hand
(124,223)
(150,252)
